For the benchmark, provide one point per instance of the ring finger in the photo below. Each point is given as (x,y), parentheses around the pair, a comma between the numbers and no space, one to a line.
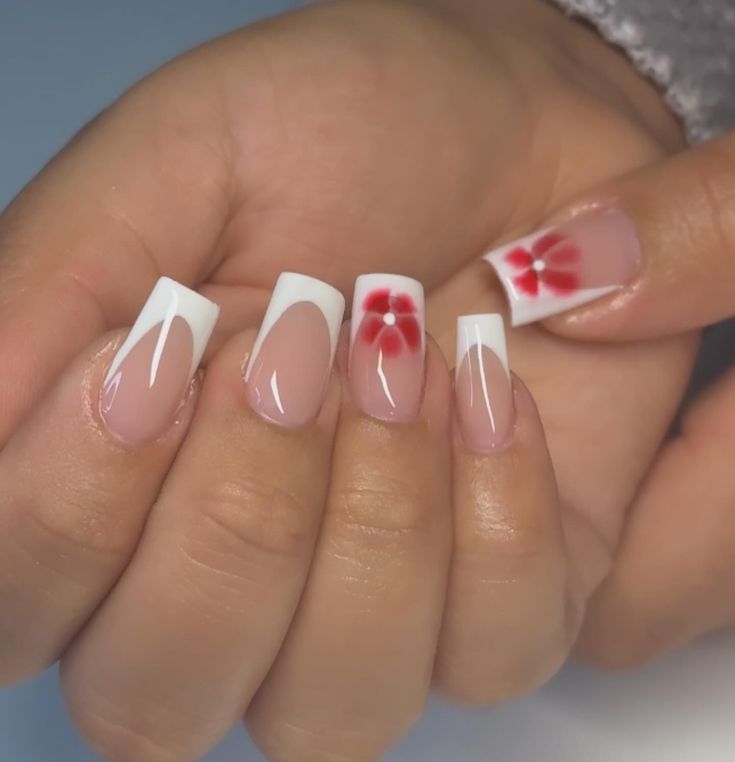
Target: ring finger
(510,583)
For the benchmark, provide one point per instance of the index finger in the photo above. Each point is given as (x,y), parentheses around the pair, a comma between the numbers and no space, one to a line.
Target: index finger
(142,191)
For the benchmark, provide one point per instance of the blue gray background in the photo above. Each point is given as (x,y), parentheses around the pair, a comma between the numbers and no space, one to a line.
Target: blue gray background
(60,63)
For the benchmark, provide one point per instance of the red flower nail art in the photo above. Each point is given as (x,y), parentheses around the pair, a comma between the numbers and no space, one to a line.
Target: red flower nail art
(550,262)
(390,320)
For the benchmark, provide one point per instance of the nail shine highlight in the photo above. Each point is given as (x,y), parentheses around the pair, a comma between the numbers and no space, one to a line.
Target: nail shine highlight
(151,372)
(387,346)
(289,368)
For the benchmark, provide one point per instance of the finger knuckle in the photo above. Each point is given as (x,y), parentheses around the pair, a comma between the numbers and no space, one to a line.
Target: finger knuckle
(504,549)
(121,740)
(492,680)
(253,518)
(285,741)
(386,512)
(73,525)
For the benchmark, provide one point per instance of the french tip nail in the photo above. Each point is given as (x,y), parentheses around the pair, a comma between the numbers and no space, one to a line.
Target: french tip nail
(483,386)
(151,372)
(289,367)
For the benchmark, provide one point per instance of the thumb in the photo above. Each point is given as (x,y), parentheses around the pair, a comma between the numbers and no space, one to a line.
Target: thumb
(647,255)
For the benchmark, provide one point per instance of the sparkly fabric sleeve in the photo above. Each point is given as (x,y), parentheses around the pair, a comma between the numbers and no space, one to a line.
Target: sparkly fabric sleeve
(686,46)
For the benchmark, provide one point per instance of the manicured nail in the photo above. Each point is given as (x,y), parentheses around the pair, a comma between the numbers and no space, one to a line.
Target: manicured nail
(287,375)
(150,375)
(564,267)
(387,346)
(484,395)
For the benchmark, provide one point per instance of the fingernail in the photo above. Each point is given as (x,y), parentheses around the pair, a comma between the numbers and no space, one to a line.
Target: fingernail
(287,375)
(564,267)
(387,346)
(150,375)
(483,391)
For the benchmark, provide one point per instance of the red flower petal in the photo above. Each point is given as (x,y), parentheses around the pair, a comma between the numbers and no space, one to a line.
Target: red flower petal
(402,304)
(564,255)
(547,242)
(527,283)
(411,330)
(559,281)
(390,342)
(377,301)
(370,328)
(519,258)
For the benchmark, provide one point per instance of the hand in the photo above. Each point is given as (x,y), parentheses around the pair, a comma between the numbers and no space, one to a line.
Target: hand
(673,576)
(342,139)
(296,571)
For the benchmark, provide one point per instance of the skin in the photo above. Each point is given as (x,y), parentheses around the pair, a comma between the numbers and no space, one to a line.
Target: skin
(673,576)
(347,138)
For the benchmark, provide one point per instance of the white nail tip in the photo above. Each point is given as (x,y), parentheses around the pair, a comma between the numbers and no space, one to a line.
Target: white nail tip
(167,301)
(293,288)
(396,285)
(525,309)
(482,330)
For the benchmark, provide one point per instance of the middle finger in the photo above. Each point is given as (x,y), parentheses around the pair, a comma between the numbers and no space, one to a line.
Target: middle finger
(355,670)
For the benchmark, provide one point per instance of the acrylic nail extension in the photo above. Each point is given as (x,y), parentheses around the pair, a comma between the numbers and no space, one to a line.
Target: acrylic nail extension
(565,267)
(150,375)
(289,367)
(483,390)
(387,346)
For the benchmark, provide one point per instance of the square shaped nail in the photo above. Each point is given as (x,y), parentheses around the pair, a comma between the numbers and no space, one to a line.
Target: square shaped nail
(387,347)
(291,360)
(151,372)
(566,266)
(483,389)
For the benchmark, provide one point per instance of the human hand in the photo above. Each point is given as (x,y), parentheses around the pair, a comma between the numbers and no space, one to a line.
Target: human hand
(673,576)
(230,592)
(306,572)
(260,153)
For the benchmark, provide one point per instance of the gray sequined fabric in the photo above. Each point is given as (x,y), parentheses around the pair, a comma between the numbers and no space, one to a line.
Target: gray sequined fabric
(686,46)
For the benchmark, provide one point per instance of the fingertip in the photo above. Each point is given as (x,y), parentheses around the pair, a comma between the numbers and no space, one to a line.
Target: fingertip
(435,400)
(612,319)
(226,387)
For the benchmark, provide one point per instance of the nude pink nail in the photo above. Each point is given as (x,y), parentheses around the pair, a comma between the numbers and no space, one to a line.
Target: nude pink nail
(150,375)
(483,391)
(289,368)
(386,367)
(564,267)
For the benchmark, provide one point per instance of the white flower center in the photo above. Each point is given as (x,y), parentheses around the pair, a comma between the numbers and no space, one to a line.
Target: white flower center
(539,266)
(389,318)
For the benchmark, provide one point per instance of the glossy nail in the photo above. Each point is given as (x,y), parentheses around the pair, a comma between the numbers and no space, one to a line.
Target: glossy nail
(564,267)
(483,390)
(150,375)
(289,367)
(387,346)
